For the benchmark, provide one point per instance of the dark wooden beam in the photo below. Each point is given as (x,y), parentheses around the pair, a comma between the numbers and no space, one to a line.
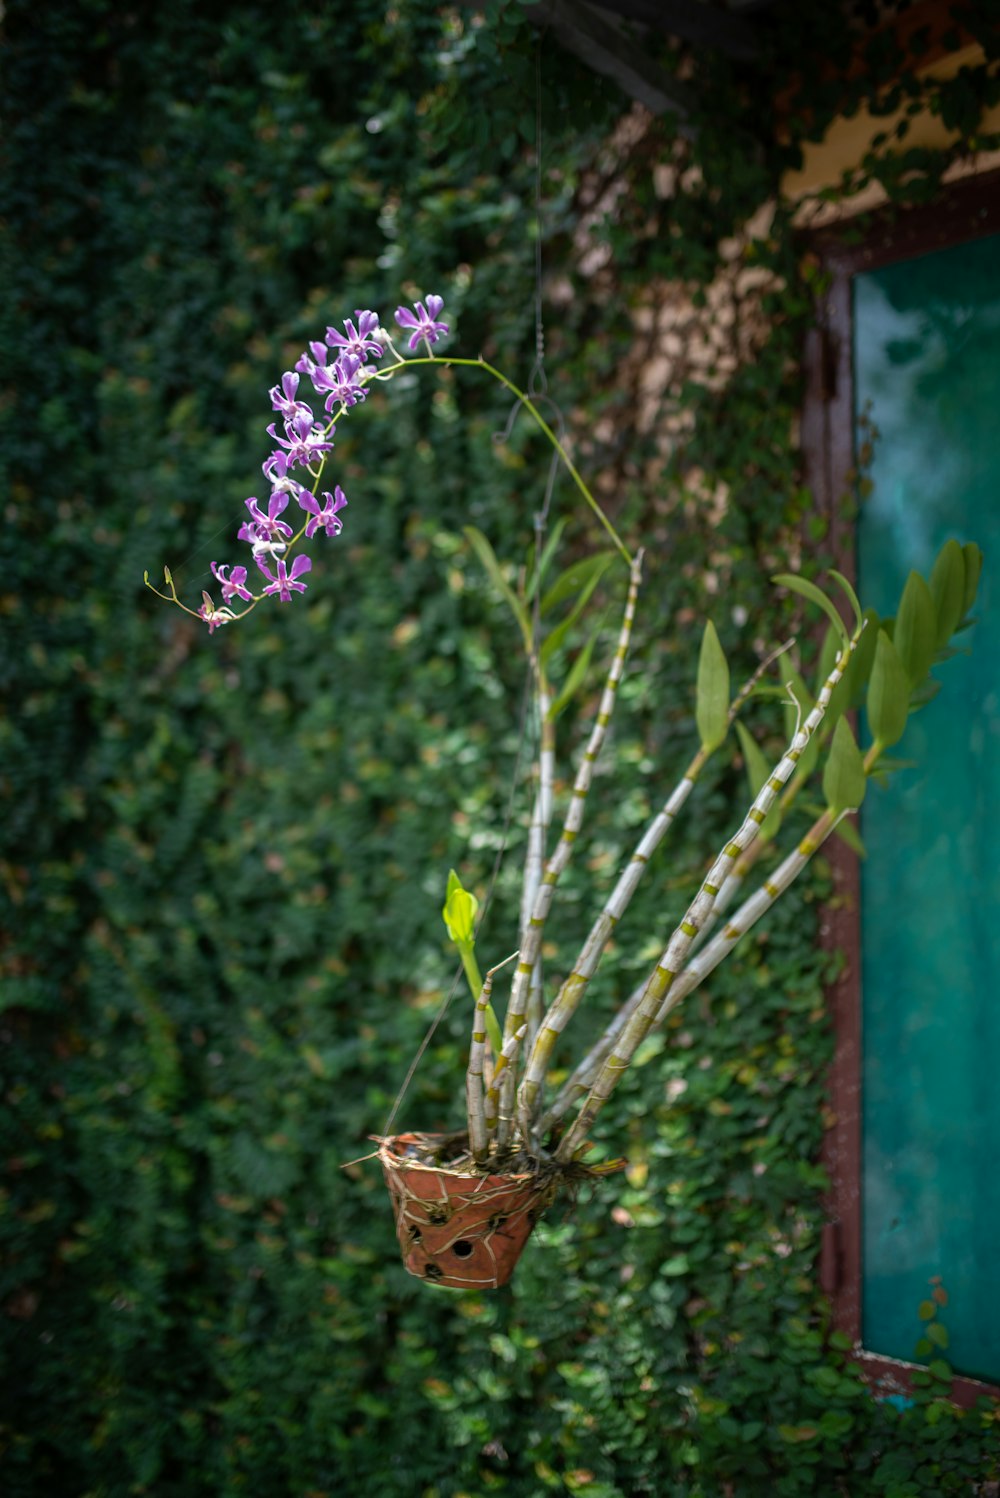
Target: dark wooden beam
(603,48)
(692,20)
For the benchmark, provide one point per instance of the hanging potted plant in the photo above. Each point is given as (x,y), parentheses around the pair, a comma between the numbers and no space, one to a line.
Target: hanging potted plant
(465,1203)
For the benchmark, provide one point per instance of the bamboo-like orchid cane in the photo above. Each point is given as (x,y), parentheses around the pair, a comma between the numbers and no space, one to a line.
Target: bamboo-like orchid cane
(582,1076)
(700,965)
(736,880)
(672,961)
(541,818)
(727,894)
(474,1093)
(504,1067)
(475,1096)
(749,913)
(532,934)
(696,970)
(567,1001)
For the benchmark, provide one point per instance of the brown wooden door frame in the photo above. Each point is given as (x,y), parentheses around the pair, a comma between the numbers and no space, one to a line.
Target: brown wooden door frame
(969,210)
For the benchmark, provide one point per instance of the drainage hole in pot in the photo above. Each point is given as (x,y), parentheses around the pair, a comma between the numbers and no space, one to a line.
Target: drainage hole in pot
(437,1212)
(415,1234)
(462,1248)
(497,1220)
(433,1272)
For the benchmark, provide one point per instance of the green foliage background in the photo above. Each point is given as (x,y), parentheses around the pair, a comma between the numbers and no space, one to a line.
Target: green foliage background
(223,860)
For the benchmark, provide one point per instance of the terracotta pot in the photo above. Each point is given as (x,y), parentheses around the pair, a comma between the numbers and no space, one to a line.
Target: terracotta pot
(457,1227)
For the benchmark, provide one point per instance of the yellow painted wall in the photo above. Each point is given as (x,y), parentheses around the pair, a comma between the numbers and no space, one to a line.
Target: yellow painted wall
(845,143)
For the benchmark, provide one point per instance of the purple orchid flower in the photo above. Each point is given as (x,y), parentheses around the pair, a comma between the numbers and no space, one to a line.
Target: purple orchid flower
(286,581)
(262,546)
(213,616)
(360,340)
(302,441)
(308,365)
(327,517)
(424,322)
(268,526)
(340,380)
(283,398)
(234,586)
(275,469)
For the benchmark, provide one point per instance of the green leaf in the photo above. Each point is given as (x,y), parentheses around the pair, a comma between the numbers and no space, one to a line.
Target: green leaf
(758,772)
(649,1049)
(844,778)
(712,698)
(851,837)
(948,591)
(536,578)
(558,635)
(888,694)
(926,692)
(862,659)
(678,1264)
(887,766)
(796,1433)
(577,674)
(938,1333)
(753,757)
(491,566)
(852,597)
(806,589)
(973,567)
(940,1369)
(915,635)
(840,696)
(926,1310)
(576,577)
(459,911)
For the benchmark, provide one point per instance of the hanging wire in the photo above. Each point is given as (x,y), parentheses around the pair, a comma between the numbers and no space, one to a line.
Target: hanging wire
(538,385)
(537,382)
(537,389)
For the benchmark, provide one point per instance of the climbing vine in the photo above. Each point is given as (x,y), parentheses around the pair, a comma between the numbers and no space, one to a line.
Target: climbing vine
(215,948)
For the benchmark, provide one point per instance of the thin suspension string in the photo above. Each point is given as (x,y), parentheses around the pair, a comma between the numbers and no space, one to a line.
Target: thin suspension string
(537,388)
(537,383)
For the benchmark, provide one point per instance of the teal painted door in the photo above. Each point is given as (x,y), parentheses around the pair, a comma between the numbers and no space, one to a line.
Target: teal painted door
(927,359)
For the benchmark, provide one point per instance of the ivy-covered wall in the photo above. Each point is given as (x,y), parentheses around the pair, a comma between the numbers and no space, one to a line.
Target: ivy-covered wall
(223,859)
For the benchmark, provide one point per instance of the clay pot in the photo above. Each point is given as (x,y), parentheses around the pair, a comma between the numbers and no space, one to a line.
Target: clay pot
(460,1228)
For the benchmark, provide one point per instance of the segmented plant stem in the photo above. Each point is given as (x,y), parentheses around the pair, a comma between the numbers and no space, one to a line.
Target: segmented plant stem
(582,1076)
(673,959)
(532,934)
(696,970)
(574,987)
(749,913)
(541,819)
(727,894)
(503,1068)
(474,1093)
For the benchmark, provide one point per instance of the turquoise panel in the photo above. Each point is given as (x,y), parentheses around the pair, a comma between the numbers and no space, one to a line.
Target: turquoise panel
(927,358)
